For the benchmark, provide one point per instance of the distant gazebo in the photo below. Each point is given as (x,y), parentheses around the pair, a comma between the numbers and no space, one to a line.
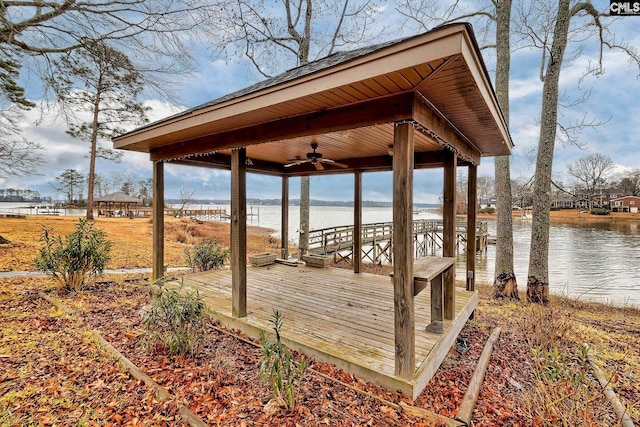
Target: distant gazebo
(116,204)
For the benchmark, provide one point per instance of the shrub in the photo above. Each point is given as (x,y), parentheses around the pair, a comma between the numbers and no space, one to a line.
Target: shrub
(489,211)
(206,255)
(80,255)
(175,322)
(278,368)
(599,211)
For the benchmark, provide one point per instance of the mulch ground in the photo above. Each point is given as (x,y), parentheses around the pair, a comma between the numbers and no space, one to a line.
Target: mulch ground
(58,360)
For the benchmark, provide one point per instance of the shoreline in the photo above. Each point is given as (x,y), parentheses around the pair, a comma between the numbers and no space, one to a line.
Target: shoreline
(574,216)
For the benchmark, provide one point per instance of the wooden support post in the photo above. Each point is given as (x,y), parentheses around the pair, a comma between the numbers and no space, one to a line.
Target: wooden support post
(402,253)
(357,222)
(284,219)
(158,220)
(437,298)
(238,233)
(449,231)
(472,212)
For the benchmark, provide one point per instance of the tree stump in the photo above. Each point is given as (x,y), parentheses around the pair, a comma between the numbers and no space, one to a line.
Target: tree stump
(505,286)
(537,291)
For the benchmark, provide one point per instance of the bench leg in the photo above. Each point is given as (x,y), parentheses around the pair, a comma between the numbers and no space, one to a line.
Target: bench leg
(437,300)
(448,278)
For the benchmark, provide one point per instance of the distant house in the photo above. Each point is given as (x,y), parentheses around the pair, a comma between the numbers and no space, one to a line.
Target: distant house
(487,203)
(563,201)
(606,195)
(625,204)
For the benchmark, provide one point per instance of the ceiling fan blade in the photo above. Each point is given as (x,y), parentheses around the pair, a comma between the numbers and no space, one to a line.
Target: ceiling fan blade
(296,163)
(334,163)
(318,166)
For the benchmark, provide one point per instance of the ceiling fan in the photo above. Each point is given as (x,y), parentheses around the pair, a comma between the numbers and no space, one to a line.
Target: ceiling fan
(315,159)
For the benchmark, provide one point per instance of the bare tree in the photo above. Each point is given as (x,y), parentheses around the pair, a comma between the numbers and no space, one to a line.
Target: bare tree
(34,33)
(486,187)
(18,156)
(494,21)
(522,191)
(549,28)
(461,192)
(629,183)
(186,194)
(38,30)
(274,40)
(590,173)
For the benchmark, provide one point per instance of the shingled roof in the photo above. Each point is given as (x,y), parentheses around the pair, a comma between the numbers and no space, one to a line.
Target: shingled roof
(117,198)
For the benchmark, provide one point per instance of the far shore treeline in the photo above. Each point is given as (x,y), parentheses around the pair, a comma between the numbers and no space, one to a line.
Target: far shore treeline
(296,202)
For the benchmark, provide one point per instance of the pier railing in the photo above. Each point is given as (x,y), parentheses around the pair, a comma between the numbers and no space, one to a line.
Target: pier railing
(376,238)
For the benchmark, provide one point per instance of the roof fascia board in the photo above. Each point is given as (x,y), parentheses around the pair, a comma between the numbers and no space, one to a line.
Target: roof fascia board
(481,78)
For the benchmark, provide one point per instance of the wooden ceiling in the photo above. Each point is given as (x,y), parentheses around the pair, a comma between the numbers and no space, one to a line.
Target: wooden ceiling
(436,81)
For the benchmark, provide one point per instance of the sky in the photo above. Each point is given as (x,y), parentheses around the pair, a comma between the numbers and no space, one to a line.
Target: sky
(612,100)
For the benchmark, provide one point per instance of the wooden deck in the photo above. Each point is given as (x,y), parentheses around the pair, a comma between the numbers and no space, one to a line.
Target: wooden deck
(336,316)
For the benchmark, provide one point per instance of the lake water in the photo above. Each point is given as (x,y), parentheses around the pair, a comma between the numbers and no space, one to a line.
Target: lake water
(589,261)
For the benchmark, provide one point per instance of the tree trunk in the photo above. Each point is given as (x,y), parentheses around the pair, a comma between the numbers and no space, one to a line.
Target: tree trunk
(505,284)
(538,278)
(94,149)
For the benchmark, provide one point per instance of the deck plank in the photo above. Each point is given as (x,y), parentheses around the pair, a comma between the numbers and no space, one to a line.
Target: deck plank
(335,315)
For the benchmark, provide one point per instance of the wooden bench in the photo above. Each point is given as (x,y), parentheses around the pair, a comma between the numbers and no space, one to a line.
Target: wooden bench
(431,270)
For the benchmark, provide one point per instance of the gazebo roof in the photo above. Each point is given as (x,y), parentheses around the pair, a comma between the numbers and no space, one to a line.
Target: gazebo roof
(117,198)
(347,103)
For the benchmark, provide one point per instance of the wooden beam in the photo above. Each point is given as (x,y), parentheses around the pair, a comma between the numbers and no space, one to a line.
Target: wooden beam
(430,118)
(158,220)
(402,250)
(366,113)
(238,233)
(223,161)
(357,221)
(449,231)
(284,219)
(422,160)
(472,213)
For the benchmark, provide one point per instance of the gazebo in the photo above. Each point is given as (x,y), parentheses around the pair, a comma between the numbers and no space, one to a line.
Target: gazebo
(116,204)
(420,102)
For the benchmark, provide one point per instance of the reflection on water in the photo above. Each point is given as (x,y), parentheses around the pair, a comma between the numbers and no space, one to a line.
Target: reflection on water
(594,261)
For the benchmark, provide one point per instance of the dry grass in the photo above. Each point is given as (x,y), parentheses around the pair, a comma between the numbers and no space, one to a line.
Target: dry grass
(132,239)
(559,385)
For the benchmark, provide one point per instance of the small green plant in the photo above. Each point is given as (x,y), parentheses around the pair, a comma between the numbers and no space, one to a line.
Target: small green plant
(599,211)
(80,255)
(563,392)
(278,368)
(206,255)
(175,322)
